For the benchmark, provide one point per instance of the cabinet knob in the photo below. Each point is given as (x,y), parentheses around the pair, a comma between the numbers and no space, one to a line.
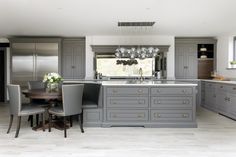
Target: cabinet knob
(72,67)
(184,102)
(234,88)
(184,115)
(114,116)
(158,90)
(184,91)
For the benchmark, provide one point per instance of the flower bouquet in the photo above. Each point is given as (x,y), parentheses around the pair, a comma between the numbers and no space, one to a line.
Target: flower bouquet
(52,80)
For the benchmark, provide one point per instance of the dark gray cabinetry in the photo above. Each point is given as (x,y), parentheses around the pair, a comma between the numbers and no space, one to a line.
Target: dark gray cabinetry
(165,106)
(186,61)
(73,58)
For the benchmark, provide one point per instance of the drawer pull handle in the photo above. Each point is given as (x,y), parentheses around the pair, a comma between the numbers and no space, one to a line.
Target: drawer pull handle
(157,115)
(140,102)
(114,116)
(184,115)
(184,91)
(234,88)
(184,102)
(158,90)
(114,91)
(221,86)
(140,90)
(158,102)
(140,116)
(114,103)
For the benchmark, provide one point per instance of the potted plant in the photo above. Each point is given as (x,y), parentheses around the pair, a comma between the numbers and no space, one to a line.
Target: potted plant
(52,80)
(233,64)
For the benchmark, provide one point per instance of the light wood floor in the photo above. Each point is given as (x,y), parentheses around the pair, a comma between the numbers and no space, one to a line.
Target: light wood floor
(214,137)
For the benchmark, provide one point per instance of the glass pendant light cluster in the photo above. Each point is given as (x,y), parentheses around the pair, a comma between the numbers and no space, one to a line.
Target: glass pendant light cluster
(133,52)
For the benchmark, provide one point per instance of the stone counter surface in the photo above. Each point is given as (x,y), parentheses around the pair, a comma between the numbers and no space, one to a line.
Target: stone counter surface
(134,82)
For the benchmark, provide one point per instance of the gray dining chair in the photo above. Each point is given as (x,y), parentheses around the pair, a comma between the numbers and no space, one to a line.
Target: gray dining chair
(40,102)
(71,105)
(18,109)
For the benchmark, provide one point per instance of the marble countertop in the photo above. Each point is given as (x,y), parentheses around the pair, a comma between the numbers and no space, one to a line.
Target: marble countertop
(134,82)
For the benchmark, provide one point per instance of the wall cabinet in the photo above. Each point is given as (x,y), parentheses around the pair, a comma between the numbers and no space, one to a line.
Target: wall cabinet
(73,58)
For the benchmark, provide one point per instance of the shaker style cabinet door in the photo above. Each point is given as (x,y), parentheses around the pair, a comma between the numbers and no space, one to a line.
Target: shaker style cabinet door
(73,58)
(186,61)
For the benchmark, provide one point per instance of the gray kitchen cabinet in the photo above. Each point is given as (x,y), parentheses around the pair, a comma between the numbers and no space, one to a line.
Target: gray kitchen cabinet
(92,117)
(186,61)
(221,98)
(149,106)
(210,96)
(73,58)
(186,56)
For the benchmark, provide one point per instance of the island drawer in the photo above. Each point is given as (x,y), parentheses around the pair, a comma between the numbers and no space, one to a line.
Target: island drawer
(171,115)
(127,115)
(171,102)
(171,91)
(127,102)
(127,91)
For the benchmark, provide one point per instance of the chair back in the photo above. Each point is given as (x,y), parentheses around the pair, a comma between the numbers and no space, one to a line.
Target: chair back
(15,98)
(72,99)
(36,85)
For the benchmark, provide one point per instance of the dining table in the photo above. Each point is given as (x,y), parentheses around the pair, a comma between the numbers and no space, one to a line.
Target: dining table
(51,98)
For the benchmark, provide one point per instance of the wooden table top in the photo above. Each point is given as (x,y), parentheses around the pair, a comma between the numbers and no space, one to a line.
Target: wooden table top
(42,94)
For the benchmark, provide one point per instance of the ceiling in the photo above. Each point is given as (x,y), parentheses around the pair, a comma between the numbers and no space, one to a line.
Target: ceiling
(100,17)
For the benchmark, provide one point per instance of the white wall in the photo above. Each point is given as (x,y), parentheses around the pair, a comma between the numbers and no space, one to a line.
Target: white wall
(224,55)
(130,40)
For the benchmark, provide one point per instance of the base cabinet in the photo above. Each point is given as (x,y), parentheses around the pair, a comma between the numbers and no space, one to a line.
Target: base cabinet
(221,98)
(150,106)
(92,117)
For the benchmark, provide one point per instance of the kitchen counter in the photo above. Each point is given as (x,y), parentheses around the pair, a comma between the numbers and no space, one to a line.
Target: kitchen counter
(218,81)
(133,82)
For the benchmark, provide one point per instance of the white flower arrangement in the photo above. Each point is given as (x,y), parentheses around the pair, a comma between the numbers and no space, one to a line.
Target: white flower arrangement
(52,78)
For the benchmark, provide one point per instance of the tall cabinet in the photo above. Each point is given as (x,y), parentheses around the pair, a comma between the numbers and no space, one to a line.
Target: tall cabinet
(186,61)
(186,56)
(73,58)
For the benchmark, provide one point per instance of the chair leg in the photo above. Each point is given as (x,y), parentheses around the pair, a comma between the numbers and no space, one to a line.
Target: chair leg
(43,121)
(82,117)
(18,126)
(71,121)
(50,122)
(31,120)
(80,123)
(65,134)
(10,124)
(37,119)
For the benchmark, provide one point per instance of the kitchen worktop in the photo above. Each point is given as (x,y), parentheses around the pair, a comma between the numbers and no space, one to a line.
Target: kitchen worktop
(133,82)
(218,81)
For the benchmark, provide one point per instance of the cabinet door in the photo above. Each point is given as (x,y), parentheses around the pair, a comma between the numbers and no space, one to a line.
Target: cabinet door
(179,62)
(232,104)
(191,65)
(221,101)
(186,61)
(67,61)
(79,63)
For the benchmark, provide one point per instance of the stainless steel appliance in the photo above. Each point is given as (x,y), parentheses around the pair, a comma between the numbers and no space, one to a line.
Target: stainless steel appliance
(32,60)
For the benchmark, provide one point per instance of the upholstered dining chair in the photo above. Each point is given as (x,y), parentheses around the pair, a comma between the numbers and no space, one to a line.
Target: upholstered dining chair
(40,102)
(71,105)
(18,109)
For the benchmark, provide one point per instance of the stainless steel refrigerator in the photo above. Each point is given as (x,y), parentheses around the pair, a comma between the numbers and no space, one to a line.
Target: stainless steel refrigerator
(31,61)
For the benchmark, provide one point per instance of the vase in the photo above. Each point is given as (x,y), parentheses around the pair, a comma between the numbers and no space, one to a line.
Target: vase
(52,87)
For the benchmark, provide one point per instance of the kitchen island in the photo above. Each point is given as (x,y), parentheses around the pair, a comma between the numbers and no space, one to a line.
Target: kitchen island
(144,103)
